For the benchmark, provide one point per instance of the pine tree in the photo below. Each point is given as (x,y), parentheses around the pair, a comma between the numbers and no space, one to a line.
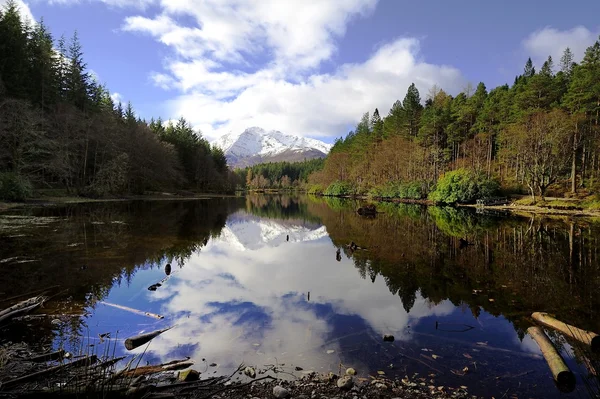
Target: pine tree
(566,62)
(393,124)
(77,80)
(377,125)
(529,70)
(130,118)
(547,67)
(43,68)
(14,57)
(412,107)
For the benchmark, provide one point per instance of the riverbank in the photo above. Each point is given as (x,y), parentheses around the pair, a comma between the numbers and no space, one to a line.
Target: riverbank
(60,374)
(552,206)
(59,200)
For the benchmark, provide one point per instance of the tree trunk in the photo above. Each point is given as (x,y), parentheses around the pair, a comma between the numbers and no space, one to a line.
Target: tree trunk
(574,163)
(562,375)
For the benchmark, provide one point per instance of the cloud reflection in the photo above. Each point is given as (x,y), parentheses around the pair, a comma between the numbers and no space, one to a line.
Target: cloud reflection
(244,298)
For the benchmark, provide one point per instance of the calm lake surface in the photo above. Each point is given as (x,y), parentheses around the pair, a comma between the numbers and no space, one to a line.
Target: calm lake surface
(258,280)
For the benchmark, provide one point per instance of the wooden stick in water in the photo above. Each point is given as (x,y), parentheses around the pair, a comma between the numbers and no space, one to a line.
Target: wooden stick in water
(136,311)
(564,378)
(586,337)
(139,340)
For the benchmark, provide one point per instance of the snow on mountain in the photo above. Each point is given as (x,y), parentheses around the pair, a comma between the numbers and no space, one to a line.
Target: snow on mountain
(244,232)
(255,145)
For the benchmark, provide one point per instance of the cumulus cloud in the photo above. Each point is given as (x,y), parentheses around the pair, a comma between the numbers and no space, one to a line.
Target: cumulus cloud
(550,41)
(113,3)
(116,97)
(236,302)
(242,63)
(23,9)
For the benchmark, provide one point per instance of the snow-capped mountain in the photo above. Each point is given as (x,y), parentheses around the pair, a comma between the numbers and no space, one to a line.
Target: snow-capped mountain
(255,145)
(246,232)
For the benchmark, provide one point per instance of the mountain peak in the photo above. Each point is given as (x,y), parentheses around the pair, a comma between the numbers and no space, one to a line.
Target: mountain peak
(256,145)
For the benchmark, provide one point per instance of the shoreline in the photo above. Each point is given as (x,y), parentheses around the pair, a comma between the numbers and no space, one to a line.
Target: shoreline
(513,209)
(54,201)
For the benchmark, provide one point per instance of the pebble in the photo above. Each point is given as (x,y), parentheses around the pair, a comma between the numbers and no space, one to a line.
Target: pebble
(345,382)
(351,371)
(388,338)
(250,372)
(280,392)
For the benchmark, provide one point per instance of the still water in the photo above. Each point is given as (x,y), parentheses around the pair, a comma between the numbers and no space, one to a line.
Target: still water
(271,281)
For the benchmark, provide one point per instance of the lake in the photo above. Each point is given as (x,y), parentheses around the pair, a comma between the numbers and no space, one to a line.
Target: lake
(274,282)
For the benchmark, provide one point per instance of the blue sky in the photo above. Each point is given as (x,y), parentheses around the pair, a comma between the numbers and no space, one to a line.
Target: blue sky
(307,67)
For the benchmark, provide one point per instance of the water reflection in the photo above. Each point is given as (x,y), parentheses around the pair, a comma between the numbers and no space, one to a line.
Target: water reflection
(276,280)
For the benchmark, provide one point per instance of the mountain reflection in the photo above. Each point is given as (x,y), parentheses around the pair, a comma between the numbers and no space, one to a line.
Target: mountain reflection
(276,280)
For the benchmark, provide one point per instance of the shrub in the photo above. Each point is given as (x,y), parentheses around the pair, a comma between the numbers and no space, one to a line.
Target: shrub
(338,188)
(412,190)
(592,205)
(463,186)
(14,187)
(316,189)
(567,205)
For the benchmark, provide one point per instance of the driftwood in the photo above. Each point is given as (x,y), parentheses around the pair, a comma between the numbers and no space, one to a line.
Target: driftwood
(47,357)
(585,337)
(16,312)
(136,311)
(565,380)
(36,300)
(139,340)
(169,366)
(367,210)
(86,361)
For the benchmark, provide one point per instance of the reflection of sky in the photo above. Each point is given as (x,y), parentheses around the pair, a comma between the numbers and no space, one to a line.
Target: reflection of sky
(243,298)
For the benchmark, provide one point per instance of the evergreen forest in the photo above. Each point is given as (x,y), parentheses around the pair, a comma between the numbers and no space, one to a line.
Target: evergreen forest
(61,131)
(539,136)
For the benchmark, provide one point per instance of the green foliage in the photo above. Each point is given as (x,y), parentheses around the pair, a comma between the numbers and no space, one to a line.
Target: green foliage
(61,129)
(14,187)
(593,205)
(280,175)
(463,186)
(339,188)
(410,190)
(316,189)
(459,222)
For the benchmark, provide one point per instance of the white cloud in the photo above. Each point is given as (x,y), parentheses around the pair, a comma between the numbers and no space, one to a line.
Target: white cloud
(142,4)
(296,334)
(244,63)
(241,63)
(116,97)
(23,9)
(550,41)
(317,105)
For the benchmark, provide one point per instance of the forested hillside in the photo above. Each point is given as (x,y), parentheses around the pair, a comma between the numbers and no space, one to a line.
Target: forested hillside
(60,129)
(277,175)
(541,134)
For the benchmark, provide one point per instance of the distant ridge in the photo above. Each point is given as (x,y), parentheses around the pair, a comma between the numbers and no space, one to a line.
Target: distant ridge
(256,145)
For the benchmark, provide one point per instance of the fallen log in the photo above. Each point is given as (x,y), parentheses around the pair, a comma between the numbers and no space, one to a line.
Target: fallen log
(564,378)
(46,357)
(585,337)
(136,311)
(22,305)
(10,315)
(86,361)
(159,368)
(139,340)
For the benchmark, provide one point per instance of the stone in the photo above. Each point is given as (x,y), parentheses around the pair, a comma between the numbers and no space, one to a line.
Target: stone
(345,382)
(351,371)
(188,375)
(250,372)
(280,392)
